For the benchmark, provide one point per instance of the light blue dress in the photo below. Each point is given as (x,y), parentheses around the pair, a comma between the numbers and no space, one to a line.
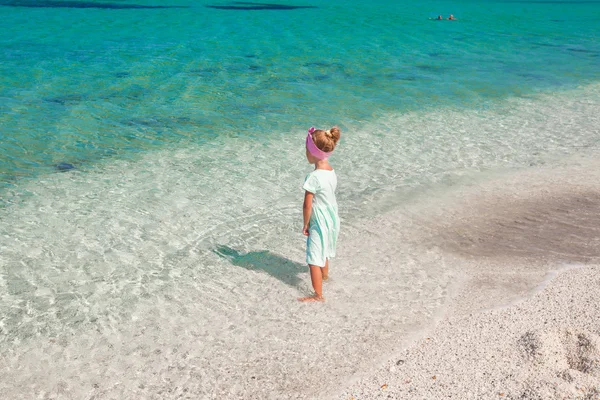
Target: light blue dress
(324,223)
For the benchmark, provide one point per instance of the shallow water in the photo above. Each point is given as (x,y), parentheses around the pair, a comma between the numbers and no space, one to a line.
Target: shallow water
(165,267)
(167,261)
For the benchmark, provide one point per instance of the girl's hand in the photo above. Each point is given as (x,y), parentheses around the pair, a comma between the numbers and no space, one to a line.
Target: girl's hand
(305,230)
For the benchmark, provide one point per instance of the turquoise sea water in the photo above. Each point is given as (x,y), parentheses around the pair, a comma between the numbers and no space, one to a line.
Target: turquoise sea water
(79,85)
(167,261)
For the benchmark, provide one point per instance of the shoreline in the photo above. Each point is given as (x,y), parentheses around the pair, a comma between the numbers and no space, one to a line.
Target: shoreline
(524,323)
(546,346)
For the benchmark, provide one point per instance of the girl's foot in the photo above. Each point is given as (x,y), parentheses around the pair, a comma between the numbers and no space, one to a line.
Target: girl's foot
(325,277)
(312,298)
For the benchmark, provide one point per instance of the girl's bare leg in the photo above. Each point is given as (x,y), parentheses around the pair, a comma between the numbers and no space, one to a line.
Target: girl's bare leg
(325,270)
(316,276)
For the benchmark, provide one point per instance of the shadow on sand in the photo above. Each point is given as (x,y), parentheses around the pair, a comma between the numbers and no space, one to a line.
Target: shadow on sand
(285,270)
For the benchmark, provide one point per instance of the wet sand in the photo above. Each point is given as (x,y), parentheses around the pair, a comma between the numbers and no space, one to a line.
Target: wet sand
(525,323)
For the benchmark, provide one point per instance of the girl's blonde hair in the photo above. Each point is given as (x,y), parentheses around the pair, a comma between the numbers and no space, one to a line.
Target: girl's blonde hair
(326,140)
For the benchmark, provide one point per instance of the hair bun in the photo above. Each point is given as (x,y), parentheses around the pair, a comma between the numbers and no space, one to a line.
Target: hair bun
(334,133)
(326,140)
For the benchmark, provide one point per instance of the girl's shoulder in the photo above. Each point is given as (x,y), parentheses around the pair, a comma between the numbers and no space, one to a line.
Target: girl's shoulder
(321,174)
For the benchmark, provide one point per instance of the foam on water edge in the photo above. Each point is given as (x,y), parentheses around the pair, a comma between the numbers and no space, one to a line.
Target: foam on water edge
(177,272)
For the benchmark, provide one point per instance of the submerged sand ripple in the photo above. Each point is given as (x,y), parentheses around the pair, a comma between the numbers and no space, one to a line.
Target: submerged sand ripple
(563,227)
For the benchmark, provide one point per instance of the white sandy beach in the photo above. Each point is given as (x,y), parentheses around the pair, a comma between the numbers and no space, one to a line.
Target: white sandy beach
(545,347)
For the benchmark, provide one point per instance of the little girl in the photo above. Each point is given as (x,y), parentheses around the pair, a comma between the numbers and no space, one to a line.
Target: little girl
(321,221)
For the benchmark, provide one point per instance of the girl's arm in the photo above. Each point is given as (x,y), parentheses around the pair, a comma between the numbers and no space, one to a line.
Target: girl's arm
(307,210)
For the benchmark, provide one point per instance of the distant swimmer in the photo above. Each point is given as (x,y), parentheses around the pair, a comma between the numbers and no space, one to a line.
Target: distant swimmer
(440,18)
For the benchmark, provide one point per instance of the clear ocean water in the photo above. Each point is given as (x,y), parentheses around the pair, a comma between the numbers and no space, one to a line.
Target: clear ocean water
(151,160)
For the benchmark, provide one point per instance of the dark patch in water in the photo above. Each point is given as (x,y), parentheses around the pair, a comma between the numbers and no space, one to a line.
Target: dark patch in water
(324,70)
(427,67)
(121,74)
(65,100)
(402,77)
(77,4)
(323,64)
(250,56)
(63,166)
(576,50)
(247,6)
(132,92)
(145,122)
(531,76)
(212,72)
(183,120)
(316,64)
(545,44)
